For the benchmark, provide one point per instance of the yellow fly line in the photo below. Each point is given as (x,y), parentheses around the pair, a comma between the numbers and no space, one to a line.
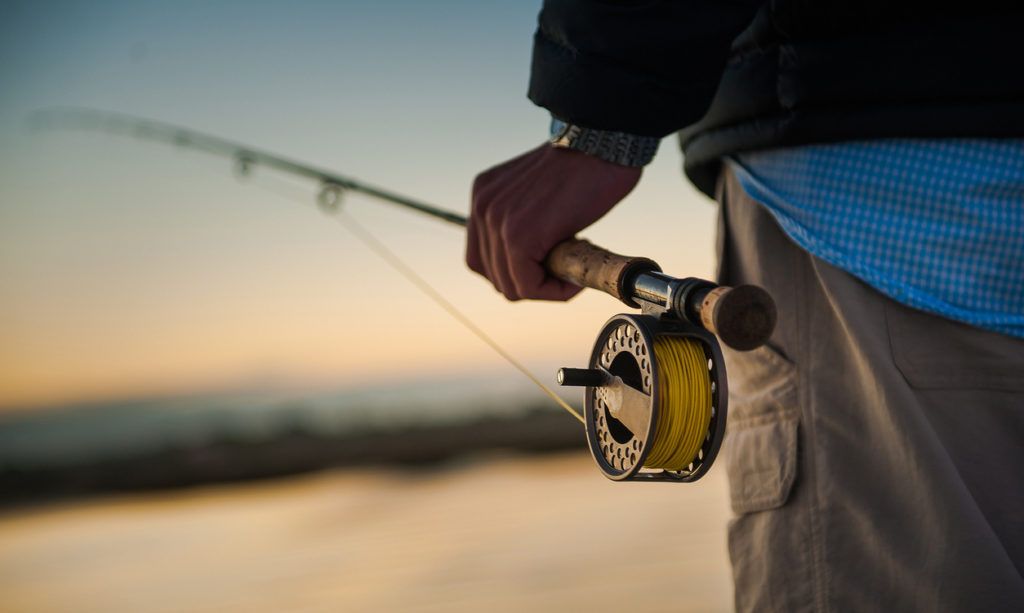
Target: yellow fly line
(684,411)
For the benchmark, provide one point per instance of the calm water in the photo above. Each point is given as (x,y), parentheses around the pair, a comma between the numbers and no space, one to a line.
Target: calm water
(543,533)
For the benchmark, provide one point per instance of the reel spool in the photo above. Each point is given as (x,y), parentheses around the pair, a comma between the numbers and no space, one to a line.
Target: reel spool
(656,399)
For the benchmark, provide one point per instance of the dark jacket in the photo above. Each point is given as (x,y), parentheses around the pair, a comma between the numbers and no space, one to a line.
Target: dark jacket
(737,76)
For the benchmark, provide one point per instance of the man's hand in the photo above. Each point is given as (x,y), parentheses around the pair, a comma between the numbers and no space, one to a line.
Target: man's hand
(526,206)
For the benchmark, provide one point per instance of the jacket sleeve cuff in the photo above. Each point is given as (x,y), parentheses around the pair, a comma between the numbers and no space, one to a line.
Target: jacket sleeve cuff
(616,147)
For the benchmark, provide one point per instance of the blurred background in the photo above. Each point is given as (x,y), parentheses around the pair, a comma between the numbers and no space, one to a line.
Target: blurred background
(213,397)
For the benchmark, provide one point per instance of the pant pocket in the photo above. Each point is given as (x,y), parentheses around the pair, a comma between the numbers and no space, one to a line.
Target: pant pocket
(768,538)
(761,442)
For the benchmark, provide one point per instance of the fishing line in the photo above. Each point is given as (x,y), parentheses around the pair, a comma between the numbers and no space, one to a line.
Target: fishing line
(382,251)
(329,201)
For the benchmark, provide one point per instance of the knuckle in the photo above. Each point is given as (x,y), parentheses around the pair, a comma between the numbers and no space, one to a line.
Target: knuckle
(479,186)
(484,180)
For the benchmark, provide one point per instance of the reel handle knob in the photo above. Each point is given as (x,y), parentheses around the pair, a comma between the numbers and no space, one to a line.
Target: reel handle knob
(743,317)
(581,377)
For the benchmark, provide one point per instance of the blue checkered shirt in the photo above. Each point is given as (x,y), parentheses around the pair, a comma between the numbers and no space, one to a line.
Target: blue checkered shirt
(934,224)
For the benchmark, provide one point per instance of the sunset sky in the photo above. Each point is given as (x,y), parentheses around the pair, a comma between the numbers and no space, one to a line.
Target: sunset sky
(129,268)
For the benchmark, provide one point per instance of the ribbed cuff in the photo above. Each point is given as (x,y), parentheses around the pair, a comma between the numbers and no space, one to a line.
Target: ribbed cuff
(616,147)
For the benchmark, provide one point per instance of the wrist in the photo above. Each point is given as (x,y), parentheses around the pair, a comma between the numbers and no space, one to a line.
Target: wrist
(616,147)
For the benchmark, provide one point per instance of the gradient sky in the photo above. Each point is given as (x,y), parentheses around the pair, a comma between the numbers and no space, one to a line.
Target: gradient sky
(133,268)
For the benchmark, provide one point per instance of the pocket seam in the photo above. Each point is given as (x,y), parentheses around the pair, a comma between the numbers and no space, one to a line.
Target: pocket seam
(773,494)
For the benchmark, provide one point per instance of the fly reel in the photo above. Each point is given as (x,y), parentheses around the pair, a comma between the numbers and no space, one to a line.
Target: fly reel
(656,394)
(656,399)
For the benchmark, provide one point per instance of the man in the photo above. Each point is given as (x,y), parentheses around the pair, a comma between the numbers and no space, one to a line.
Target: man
(869,162)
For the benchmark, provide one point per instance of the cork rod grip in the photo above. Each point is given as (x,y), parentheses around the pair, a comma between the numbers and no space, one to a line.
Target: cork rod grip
(579,262)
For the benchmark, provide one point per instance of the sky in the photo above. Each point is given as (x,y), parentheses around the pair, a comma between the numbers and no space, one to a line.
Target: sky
(130,268)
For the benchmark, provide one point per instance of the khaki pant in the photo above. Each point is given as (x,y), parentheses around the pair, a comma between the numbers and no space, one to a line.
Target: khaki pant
(875,453)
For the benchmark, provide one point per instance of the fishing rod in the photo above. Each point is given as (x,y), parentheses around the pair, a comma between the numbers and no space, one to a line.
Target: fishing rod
(656,396)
